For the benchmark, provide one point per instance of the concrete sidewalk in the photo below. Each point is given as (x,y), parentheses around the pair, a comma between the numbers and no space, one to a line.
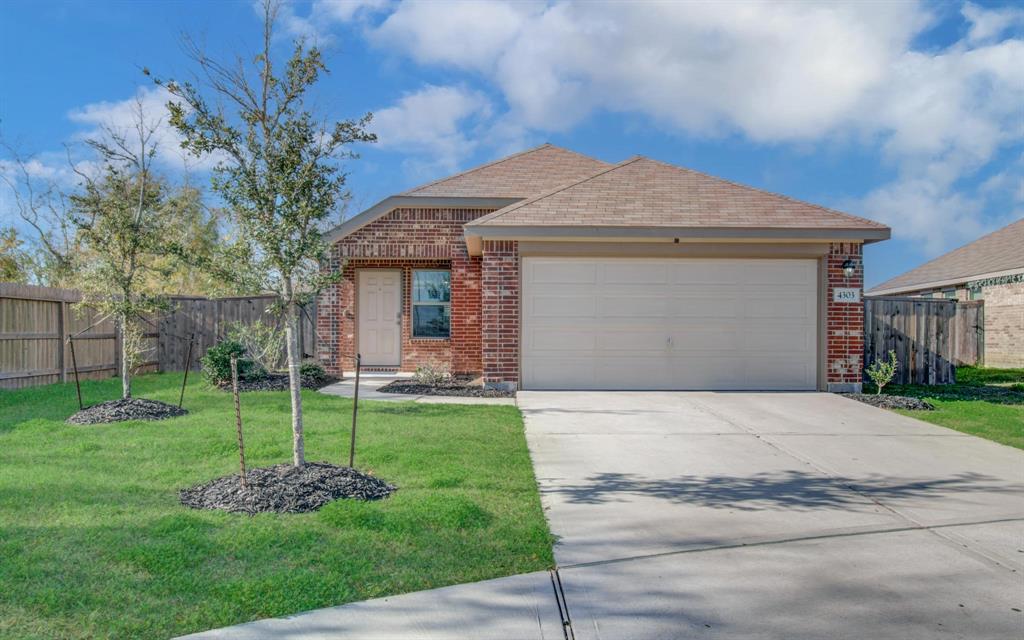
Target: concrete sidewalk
(518,607)
(368,391)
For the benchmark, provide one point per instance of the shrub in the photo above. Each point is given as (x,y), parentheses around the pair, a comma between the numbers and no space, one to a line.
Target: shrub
(312,369)
(882,371)
(432,374)
(263,343)
(217,363)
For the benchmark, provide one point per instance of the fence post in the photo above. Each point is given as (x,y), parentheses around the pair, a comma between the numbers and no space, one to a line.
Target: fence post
(62,323)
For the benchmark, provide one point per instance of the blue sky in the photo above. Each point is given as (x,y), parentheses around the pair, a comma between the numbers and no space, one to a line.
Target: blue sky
(908,113)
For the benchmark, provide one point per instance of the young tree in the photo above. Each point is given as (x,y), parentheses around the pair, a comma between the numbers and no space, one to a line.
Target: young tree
(13,257)
(278,174)
(122,218)
(37,197)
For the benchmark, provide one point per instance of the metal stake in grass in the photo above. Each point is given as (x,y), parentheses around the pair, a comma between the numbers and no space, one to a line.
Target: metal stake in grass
(355,412)
(238,417)
(74,365)
(188,363)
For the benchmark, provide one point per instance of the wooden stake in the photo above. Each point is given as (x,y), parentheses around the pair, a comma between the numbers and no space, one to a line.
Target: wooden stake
(355,413)
(74,365)
(188,363)
(238,418)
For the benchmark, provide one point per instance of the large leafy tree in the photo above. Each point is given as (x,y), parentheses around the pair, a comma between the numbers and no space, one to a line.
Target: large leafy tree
(278,171)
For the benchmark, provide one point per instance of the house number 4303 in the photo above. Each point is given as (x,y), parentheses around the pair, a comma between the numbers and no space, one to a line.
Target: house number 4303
(841,294)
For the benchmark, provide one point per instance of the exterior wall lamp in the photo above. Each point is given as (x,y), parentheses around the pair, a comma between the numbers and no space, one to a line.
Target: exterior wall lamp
(849,267)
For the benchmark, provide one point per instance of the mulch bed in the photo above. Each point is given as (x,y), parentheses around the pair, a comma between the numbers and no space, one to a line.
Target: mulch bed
(285,488)
(891,402)
(278,382)
(455,387)
(121,410)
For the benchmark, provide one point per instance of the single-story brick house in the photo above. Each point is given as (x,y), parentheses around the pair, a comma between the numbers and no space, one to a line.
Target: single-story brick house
(991,269)
(552,270)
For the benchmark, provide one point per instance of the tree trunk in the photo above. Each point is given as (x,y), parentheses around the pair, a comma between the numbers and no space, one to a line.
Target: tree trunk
(295,385)
(126,365)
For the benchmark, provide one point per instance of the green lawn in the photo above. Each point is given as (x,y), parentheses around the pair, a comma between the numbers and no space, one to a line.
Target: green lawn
(984,402)
(93,542)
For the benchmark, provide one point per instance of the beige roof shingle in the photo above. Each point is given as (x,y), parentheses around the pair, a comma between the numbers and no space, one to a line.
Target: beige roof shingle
(1001,250)
(646,193)
(518,176)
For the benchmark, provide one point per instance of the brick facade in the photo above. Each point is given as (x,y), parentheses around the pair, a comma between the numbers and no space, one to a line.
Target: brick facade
(406,239)
(485,298)
(1004,324)
(500,313)
(844,329)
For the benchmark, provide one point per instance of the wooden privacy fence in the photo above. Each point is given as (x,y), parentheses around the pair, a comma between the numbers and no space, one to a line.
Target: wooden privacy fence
(35,322)
(930,336)
(209,320)
(34,325)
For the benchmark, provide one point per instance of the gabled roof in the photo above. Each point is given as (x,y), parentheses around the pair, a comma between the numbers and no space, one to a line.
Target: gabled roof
(988,256)
(517,176)
(643,193)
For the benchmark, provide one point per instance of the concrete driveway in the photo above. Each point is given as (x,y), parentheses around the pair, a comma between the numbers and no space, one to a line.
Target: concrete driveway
(735,515)
(744,515)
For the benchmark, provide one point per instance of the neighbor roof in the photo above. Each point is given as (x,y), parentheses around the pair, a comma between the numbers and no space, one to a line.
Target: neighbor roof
(517,176)
(645,193)
(999,251)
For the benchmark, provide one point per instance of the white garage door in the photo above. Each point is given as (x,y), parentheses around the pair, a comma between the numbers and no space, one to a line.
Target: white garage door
(624,323)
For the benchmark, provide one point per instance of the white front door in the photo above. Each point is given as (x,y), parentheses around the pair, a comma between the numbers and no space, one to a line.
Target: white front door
(623,323)
(380,317)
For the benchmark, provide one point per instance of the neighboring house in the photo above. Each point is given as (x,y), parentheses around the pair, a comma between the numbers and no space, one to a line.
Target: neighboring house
(551,270)
(991,269)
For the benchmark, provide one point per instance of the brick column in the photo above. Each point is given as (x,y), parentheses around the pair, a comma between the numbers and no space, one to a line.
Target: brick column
(500,313)
(465,311)
(330,307)
(845,321)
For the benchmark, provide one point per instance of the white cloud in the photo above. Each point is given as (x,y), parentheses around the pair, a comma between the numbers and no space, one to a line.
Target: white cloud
(121,116)
(436,122)
(323,16)
(988,24)
(820,73)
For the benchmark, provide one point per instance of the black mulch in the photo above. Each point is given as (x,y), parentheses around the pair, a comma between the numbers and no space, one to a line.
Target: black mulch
(130,409)
(285,488)
(278,382)
(891,402)
(455,387)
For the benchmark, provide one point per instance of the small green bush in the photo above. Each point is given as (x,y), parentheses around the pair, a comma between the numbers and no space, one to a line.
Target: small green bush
(217,363)
(312,369)
(882,371)
(432,374)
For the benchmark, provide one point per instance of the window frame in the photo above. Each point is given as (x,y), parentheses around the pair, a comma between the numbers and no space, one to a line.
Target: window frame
(445,305)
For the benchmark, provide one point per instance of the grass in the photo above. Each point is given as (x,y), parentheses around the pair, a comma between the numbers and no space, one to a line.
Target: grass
(988,403)
(93,542)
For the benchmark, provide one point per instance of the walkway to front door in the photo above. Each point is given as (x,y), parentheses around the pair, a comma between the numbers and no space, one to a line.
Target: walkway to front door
(379,325)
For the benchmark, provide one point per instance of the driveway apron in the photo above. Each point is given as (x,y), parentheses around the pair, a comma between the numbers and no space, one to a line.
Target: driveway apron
(783,515)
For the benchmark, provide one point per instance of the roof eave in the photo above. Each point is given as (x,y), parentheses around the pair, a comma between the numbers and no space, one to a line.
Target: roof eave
(476,234)
(938,284)
(387,205)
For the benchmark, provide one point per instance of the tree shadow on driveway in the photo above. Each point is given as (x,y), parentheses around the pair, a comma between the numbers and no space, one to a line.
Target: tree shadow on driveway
(790,490)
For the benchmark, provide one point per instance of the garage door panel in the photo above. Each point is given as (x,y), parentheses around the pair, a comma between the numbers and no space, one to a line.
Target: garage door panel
(635,273)
(564,306)
(783,306)
(563,272)
(618,323)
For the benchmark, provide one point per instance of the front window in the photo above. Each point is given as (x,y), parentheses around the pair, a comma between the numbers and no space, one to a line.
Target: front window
(431,304)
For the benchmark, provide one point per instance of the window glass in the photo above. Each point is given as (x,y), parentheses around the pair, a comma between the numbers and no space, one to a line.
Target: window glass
(431,304)
(431,321)
(431,286)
